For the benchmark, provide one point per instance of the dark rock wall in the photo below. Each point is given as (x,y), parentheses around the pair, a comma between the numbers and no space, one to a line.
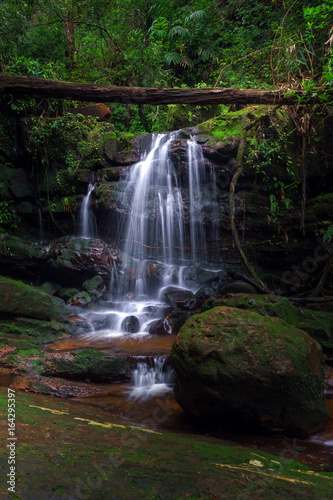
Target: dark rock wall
(41,196)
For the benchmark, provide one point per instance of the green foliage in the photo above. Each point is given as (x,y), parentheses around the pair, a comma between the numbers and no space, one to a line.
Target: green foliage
(9,219)
(8,216)
(27,66)
(274,155)
(63,139)
(326,230)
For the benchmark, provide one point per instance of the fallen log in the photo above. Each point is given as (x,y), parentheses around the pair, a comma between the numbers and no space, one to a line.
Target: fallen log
(26,86)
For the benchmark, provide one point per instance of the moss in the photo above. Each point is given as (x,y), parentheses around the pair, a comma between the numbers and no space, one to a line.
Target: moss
(93,363)
(316,323)
(19,299)
(29,327)
(31,361)
(232,123)
(77,460)
(240,366)
(320,208)
(105,192)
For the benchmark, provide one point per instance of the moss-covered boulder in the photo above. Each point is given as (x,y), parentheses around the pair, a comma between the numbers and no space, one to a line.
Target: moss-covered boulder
(19,299)
(318,324)
(77,365)
(240,368)
(90,363)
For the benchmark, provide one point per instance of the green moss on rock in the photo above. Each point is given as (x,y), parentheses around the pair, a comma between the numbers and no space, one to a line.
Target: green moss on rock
(91,363)
(19,299)
(30,327)
(318,324)
(240,367)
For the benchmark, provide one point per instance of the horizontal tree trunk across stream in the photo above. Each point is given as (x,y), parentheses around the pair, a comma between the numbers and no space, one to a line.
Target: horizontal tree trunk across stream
(21,87)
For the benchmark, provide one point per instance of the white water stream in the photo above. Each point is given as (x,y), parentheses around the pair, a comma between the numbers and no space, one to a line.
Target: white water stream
(163,237)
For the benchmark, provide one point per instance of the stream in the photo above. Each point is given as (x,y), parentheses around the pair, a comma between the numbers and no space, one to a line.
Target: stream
(167,235)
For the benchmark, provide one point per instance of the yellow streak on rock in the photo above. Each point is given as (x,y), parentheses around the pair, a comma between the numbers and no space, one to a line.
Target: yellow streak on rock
(257,471)
(108,425)
(56,412)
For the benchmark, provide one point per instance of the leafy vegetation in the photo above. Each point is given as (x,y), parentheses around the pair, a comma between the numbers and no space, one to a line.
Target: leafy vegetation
(169,43)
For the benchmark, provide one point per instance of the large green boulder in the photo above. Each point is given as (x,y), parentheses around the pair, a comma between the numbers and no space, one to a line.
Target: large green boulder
(239,368)
(19,299)
(318,324)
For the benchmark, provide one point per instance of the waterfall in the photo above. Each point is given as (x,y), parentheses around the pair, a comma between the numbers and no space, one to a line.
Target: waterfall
(87,220)
(196,177)
(157,232)
(40,225)
(154,229)
(166,209)
(151,380)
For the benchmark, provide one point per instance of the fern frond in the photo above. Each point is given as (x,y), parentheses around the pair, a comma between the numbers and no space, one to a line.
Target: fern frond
(178,31)
(159,28)
(172,58)
(198,15)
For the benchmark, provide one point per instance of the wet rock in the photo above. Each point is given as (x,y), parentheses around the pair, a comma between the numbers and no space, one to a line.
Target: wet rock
(131,324)
(181,299)
(171,324)
(80,299)
(67,293)
(239,368)
(221,150)
(159,327)
(74,255)
(50,287)
(236,287)
(69,260)
(56,386)
(203,293)
(111,147)
(95,286)
(113,173)
(15,182)
(126,158)
(19,299)
(77,325)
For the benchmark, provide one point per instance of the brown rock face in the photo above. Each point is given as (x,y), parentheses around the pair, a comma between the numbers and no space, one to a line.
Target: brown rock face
(98,110)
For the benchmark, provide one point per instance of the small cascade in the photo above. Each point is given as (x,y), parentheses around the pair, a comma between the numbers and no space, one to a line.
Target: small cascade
(40,226)
(87,219)
(196,178)
(151,379)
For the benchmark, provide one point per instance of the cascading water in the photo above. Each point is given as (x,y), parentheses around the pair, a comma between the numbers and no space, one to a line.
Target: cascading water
(87,220)
(40,225)
(151,380)
(162,234)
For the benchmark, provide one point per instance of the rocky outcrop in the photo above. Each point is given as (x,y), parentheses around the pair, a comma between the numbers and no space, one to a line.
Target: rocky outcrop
(68,260)
(237,367)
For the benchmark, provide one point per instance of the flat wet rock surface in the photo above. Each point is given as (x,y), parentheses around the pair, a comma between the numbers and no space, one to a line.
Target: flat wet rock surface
(66,450)
(139,345)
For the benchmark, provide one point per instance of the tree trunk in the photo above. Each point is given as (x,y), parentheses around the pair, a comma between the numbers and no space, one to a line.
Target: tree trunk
(21,86)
